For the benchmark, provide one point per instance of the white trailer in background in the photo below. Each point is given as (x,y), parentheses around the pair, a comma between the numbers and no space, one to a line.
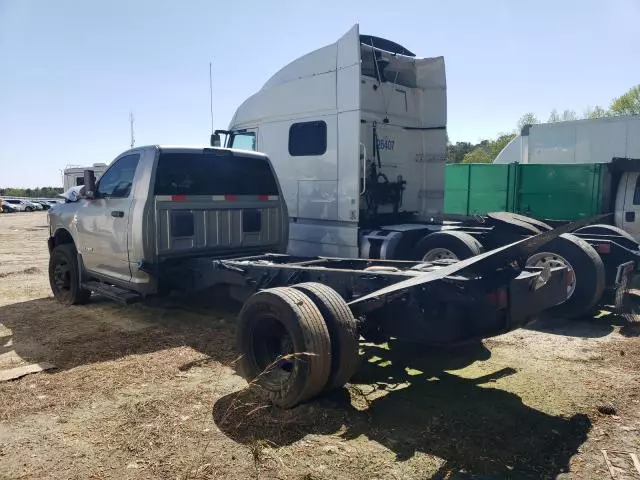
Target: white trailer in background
(356,132)
(578,141)
(74,175)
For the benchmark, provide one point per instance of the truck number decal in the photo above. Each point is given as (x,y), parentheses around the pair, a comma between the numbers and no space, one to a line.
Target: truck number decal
(385,144)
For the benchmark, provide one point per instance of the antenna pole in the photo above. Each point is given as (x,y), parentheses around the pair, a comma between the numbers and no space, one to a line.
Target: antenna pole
(211,95)
(133,138)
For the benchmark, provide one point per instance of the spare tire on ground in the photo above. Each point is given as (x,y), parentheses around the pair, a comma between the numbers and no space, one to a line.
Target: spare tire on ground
(343,331)
(284,345)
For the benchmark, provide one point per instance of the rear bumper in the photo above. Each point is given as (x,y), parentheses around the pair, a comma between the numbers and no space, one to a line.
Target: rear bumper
(452,312)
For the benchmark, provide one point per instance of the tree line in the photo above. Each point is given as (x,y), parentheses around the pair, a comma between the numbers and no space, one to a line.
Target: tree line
(487,150)
(39,192)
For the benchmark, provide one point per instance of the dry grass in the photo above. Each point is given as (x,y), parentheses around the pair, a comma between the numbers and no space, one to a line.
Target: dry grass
(26,271)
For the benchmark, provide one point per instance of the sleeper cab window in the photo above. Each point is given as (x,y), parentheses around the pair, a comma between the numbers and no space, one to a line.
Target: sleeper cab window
(308,138)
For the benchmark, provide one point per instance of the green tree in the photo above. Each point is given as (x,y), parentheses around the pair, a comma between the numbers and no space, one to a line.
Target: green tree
(595,112)
(627,104)
(477,155)
(456,153)
(497,145)
(44,192)
(527,119)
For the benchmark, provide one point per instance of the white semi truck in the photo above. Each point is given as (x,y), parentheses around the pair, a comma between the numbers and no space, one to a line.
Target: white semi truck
(356,131)
(357,134)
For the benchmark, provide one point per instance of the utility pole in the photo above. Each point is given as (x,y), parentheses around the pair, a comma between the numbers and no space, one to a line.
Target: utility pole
(211,96)
(133,138)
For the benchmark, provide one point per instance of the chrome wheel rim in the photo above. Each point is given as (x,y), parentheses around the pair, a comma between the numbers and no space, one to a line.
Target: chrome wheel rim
(439,254)
(553,260)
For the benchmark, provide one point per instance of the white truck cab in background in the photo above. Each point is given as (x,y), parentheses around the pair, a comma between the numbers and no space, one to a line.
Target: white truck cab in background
(578,141)
(74,175)
(589,141)
(356,132)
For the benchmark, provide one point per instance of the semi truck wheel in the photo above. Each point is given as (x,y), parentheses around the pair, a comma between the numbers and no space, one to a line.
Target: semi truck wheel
(284,345)
(64,276)
(530,225)
(447,244)
(343,331)
(602,229)
(587,279)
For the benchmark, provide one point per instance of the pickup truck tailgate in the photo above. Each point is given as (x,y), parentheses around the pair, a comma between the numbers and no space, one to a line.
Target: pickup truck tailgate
(218,224)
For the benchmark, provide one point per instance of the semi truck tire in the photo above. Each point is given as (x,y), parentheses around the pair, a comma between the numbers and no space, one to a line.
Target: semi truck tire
(532,225)
(588,272)
(64,276)
(343,332)
(447,244)
(284,345)
(603,229)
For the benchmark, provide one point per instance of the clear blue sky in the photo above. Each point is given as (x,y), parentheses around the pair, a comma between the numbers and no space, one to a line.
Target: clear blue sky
(70,71)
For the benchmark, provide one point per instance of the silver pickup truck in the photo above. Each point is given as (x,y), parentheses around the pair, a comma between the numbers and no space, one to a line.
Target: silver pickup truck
(155,204)
(168,218)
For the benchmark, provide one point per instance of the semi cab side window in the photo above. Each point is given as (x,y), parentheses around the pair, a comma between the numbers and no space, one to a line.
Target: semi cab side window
(243,141)
(308,138)
(118,179)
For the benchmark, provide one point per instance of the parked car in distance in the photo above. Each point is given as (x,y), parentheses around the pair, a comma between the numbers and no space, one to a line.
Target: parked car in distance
(6,207)
(35,205)
(44,204)
(19,205)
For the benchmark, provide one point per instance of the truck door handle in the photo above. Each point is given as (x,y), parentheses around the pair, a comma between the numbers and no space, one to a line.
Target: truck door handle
(117,213)
(629,216)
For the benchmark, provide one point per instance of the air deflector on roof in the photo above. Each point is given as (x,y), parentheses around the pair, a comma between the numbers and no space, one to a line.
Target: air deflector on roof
(387,45)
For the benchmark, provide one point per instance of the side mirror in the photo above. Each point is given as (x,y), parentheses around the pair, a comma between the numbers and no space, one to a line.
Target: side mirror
(215,139)
(89,184)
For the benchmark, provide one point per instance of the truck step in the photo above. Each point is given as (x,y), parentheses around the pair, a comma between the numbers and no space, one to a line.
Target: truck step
(118,294)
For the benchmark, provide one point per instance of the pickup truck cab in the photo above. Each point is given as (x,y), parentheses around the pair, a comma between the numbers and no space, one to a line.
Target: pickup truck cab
(157,204)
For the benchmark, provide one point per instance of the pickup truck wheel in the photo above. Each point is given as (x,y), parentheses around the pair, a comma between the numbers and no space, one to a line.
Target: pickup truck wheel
(587,280)
(447,245)
(64,276)
(343,331)
(284,345)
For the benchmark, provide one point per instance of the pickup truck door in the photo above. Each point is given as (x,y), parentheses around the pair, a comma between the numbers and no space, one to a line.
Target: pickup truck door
(629,209)
(103,222)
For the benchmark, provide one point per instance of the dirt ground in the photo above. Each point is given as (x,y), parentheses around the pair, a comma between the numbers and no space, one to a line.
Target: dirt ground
(149,391)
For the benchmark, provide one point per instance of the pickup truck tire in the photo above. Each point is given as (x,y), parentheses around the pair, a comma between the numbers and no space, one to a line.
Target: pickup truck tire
(64,276)
(284,345)
(343,332)
(446,244)
(588,273)
(602,229)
